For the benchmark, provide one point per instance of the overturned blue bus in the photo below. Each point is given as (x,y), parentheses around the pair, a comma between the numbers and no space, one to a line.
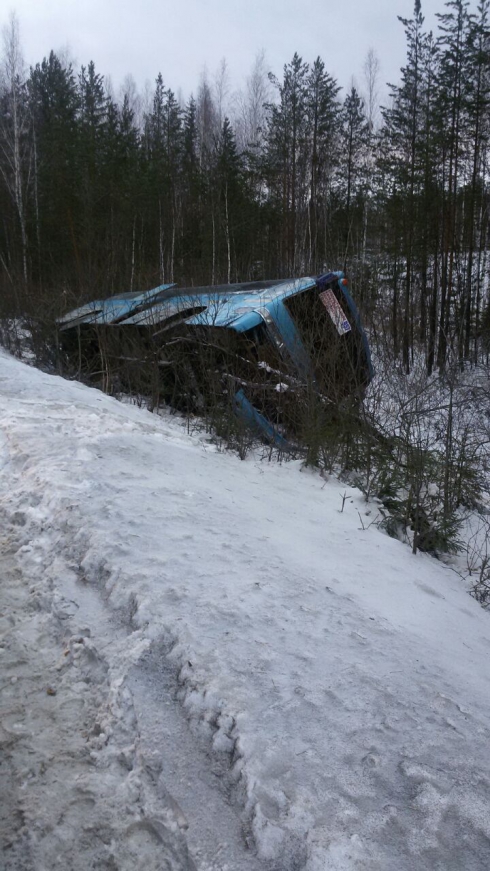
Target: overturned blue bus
(260,345)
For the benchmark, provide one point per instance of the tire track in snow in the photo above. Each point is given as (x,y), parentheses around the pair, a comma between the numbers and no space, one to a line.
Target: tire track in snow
(113,735)
(186,775)
(75,794)
(198,778)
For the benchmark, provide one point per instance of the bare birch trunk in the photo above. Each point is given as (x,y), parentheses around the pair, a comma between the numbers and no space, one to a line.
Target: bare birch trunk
(15,124)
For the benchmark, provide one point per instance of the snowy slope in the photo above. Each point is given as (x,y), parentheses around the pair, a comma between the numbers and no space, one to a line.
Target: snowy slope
(342,681)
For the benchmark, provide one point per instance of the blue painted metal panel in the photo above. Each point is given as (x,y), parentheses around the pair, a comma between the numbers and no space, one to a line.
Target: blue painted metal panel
(247,321)
(284,334)
(116,308)
(257,422)
(106,311)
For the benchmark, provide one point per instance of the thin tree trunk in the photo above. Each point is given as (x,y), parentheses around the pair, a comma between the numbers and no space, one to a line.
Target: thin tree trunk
(133,244)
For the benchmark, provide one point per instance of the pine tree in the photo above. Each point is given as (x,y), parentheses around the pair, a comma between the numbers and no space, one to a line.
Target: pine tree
(355,137)
(54,105)
(477,130)
(286,156)
(322,109)
(120,184)
(453,78)
(156,187)
(229,183)
(429,212)
(191,195)
(92,130)
(404,129)
(173,162)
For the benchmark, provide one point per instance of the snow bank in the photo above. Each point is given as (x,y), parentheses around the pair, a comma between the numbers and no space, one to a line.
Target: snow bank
(344,680)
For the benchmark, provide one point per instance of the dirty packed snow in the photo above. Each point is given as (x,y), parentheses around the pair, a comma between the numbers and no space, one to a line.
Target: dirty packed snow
(208,664)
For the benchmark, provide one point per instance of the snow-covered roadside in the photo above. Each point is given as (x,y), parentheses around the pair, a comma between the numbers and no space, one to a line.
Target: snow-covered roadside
(70,799)
(343,681)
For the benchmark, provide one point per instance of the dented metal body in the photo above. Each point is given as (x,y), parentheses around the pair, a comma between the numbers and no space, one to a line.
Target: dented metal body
(258,339)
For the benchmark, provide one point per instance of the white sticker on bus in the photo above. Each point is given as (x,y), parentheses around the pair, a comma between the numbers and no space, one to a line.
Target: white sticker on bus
(335,311)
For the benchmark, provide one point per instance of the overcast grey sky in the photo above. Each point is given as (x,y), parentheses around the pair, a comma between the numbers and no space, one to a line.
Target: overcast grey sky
(179,39)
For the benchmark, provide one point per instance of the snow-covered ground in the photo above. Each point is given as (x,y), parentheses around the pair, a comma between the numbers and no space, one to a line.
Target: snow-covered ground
(336,688)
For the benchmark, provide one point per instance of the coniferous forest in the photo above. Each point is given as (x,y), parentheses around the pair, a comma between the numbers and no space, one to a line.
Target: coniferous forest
(293,176)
